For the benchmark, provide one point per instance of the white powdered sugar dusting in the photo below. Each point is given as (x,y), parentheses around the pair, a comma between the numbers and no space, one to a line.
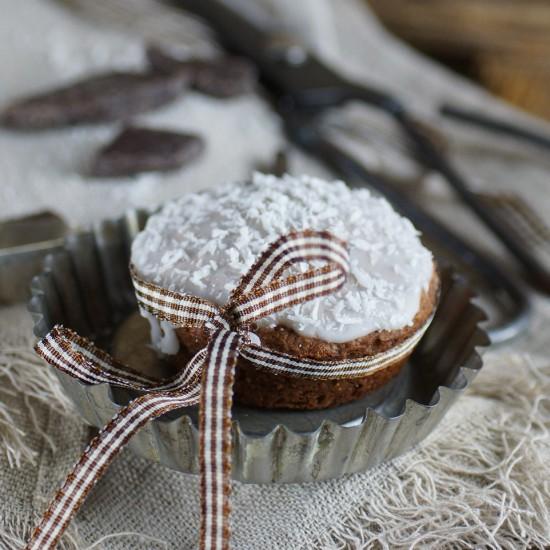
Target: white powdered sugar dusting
(204,242)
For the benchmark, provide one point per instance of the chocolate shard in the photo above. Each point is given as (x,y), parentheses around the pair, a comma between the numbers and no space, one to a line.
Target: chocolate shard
(223,77)
(137,150)
(166,61)
(226,77)
(100,98)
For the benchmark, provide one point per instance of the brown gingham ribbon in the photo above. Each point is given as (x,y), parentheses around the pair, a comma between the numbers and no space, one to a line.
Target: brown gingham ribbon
(208,377)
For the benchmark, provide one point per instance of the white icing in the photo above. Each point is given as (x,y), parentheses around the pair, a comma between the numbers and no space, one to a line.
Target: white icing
(163,335)
(204,242)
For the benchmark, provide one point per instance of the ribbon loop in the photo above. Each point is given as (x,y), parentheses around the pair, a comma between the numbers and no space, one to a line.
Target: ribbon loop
(76,356)
(179,309)
(296,247)
(282,294)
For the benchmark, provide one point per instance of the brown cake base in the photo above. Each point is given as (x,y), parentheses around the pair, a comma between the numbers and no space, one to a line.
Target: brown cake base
(257,387)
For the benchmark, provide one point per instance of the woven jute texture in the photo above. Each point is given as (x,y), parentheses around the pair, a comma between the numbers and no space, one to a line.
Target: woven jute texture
(481,480)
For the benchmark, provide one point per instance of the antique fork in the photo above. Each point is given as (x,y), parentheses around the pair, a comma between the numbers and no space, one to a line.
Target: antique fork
(300,88)
(512,210)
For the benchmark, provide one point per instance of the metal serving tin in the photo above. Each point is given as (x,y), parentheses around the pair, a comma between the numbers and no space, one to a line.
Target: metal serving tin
(86,286)
(24,243)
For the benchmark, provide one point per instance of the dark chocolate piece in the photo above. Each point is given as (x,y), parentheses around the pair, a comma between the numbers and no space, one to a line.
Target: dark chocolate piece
(226,77)
(222,77)
(167,62)
(137,150)
(100,98)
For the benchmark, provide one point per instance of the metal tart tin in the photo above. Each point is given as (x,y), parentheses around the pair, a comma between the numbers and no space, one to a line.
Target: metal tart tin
(24,243)
(86,286)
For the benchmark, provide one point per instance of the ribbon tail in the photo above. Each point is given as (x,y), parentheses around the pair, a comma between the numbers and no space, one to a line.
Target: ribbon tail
(216,439)
(101,452)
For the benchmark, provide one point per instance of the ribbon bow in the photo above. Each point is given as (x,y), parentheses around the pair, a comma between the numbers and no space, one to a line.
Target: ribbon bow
(208,377)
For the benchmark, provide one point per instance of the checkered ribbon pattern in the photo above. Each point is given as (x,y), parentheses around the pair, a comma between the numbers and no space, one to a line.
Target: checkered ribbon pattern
(208,378)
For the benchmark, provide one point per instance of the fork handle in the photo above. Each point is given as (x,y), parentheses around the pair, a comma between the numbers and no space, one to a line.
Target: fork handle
(495,125)
(537,274)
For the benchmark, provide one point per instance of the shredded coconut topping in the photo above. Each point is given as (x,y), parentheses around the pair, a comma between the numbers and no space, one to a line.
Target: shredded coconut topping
(204,242)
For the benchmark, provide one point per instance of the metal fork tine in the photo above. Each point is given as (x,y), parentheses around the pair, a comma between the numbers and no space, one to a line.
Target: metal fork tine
(520,218)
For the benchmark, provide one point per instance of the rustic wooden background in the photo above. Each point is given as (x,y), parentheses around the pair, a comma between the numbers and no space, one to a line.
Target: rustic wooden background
(504,44)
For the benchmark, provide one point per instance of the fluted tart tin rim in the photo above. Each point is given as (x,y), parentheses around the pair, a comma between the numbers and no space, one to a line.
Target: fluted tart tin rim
(94,263)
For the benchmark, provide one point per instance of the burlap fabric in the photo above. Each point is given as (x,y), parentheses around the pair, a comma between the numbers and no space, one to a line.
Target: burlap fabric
(480,480)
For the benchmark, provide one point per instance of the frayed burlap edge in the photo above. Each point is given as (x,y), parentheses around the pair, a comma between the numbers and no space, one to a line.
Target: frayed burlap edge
(480,481)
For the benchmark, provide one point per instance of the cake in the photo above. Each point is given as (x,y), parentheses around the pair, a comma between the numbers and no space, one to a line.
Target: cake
(202,244)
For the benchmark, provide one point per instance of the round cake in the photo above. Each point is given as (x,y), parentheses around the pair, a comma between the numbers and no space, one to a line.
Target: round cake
(204,242)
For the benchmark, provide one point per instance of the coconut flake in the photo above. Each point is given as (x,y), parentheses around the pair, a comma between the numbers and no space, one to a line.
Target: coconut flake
(203,243)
